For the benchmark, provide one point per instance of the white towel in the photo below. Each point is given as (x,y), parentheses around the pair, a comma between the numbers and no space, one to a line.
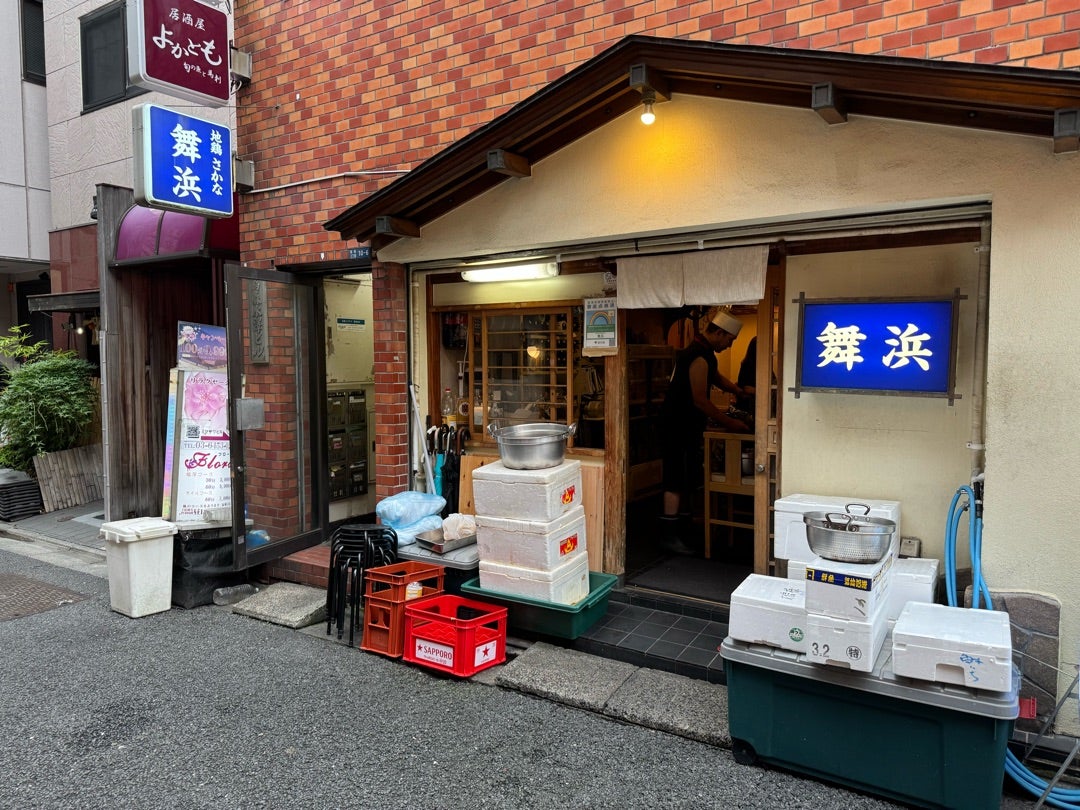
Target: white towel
(729,276)
(726,276)
(646,282)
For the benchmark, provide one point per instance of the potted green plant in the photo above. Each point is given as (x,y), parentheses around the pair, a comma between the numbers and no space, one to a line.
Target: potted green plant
(47,403)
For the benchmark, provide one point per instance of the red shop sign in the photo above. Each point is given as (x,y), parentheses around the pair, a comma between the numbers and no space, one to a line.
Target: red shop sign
(179,47)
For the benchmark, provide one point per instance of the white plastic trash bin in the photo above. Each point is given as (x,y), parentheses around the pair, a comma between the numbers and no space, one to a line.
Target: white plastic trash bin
(139,553)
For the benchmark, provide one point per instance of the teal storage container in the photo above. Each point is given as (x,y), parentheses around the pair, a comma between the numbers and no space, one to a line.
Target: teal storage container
(922,743)
(538,616)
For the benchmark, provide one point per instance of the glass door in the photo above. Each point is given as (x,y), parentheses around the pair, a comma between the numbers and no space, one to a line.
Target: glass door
(278,454)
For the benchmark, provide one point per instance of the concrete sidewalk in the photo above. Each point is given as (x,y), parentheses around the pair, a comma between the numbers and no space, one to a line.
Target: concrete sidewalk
(663,701)
(660,700)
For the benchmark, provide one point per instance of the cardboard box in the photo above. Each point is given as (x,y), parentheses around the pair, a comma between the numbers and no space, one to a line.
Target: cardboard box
(769,610)
(851,643)
(543,545)
(847,590)
(545,494)
(956,645)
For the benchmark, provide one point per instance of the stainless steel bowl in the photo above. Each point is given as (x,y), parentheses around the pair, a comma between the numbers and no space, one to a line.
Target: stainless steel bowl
(532,446)
(844,537)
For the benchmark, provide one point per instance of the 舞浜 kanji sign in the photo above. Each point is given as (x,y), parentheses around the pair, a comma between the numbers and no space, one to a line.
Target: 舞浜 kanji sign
(886,346)
(182,163)
(180,47)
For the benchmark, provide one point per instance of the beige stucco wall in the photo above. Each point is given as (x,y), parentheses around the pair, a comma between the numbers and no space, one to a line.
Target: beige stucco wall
(908,449)
(708,162)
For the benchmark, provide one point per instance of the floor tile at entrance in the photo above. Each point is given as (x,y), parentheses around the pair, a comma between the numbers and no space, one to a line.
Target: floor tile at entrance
(658,639)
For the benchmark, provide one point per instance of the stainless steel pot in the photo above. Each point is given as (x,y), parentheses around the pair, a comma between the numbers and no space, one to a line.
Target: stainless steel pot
(844,537)
(532,446)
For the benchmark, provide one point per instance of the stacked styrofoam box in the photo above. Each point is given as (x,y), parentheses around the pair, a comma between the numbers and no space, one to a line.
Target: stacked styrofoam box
(789,529)
(853,643)
(954,645)
(913,580)
(566,584)
(771,611)
(540,544)
(847,611)
(530,532)
(499,491)
(847,590)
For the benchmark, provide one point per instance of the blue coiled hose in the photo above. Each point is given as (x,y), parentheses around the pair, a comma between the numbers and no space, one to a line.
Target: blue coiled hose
(1065,798)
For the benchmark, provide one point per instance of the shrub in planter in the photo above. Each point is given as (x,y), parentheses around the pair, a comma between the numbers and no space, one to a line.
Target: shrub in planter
(47,404)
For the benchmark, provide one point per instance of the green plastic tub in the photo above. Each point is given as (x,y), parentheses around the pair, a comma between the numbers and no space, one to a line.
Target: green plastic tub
(922,743)
(528,615)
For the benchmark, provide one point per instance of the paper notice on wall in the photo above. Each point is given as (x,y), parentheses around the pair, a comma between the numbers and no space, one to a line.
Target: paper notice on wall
(197,479)
(601,332)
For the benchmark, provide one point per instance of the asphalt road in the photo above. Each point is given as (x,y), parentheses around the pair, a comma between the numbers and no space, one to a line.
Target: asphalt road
(208,709)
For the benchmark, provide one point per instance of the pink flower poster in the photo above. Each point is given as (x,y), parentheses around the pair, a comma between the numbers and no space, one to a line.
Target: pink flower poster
(197,480)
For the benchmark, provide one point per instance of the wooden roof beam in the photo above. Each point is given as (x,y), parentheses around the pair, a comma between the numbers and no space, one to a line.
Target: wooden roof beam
(1066,131)
(503,162)
(396,226)
(648,81)
(826,102)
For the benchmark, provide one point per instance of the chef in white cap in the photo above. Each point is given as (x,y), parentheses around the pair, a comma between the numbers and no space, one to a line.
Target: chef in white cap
(687,410)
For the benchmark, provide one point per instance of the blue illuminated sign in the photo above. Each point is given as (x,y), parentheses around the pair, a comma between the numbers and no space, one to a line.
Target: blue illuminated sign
(182,163)
(894,346)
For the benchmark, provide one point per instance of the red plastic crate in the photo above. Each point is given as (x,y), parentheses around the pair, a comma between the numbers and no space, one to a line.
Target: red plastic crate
(384,624)
(391,581)
(384,627)
(455,635)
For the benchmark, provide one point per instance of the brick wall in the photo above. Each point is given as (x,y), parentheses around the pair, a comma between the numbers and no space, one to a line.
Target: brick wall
(391,380)
(374,89)
(379,87)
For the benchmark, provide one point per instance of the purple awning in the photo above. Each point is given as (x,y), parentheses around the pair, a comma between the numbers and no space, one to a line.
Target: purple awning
(147,234)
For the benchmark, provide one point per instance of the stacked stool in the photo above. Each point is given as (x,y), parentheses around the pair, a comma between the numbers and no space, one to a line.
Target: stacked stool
(353,549)
(530,532)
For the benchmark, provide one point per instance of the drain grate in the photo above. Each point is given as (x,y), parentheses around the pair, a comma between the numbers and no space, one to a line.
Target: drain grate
(21,596)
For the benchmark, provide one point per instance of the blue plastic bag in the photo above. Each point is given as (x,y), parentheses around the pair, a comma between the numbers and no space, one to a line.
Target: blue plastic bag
(406,535)
(405,508)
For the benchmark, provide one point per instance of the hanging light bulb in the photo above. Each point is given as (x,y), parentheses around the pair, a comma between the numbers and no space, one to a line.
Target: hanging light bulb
(647,115)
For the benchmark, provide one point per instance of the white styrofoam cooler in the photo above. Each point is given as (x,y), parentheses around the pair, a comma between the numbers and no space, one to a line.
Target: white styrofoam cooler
(545,494)
(139,556)
(913,579)
(566,584)
(796,569)
(956,645)
(852,643)
(769,610)
(789,531)
(541,544)
(847,590)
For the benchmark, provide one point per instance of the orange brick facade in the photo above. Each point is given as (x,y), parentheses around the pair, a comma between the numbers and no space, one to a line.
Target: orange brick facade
(345,95)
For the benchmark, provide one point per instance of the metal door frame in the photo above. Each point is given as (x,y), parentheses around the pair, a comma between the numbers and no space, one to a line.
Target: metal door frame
(309,384)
